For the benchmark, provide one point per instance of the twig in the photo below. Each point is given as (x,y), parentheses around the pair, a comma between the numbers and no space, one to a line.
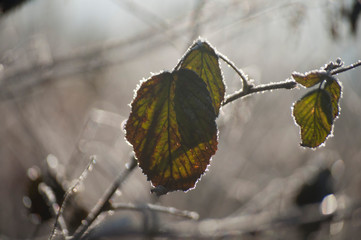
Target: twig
(157,208)
(272,86)
(101,205)
(249,89)
(343,69)
(50,200)
(246,86)
(69,193)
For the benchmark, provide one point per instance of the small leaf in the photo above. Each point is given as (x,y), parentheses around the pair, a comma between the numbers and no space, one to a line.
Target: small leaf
(172,129)
(203,60)
(309,79)
(334,89)
(313,113)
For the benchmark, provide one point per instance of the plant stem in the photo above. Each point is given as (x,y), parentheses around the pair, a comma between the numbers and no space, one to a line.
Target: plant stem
(343,69)
(101,205)
(59,216)
(272,86)
(50,199)
(238,71)
(249,89)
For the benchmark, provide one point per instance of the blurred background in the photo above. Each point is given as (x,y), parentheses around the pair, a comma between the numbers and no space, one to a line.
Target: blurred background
(68,70)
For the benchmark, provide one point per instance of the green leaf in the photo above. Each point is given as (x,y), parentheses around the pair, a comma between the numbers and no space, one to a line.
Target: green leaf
(313,113)
(309,79)
(203,60)
(334,89)
(172,129)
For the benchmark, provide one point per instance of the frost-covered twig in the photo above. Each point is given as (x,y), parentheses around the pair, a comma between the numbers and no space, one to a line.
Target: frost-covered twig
(343,69)
(288,84)
(103,202)
(243,76)
(249,88)
(50,200)
(272,86)
(69,193)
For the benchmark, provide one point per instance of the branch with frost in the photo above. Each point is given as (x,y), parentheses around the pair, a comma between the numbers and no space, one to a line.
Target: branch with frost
(59,214)
(103,203)
(247,89)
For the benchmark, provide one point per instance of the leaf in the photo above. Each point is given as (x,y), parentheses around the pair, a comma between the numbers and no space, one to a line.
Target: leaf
(310,78)
(334,89)
(313,113)
(172,129)
(203,60)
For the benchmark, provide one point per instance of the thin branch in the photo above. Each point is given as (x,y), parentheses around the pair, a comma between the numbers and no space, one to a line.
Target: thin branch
(69,193)
(156,208)
(343,69)
(272,86)
(50,200)
(104,201)
(238,71)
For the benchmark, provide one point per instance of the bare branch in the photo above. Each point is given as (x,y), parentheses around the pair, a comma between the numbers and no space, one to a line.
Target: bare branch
(104,201)
(50,200)
(68,193)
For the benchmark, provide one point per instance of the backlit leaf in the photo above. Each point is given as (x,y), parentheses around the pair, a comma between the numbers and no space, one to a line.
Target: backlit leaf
(309,79)
(334,89)
(172,129)
(202,59)
(313,113)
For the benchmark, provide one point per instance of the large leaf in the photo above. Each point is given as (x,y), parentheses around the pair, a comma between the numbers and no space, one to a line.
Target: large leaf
(172,129)
(309,79)
(202,59)
(334,89)
(313,113)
